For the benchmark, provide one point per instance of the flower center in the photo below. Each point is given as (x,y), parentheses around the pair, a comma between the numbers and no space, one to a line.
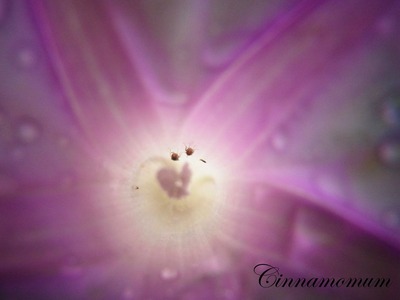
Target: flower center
(175,197)
(173,210)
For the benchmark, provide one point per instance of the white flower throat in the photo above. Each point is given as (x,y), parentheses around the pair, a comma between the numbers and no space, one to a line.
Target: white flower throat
(178,194)
(173,210)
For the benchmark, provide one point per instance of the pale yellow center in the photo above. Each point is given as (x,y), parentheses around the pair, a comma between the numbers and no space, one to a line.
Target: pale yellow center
(176,197)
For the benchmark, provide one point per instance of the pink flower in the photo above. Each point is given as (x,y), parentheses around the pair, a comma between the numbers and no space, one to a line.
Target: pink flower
(291,108)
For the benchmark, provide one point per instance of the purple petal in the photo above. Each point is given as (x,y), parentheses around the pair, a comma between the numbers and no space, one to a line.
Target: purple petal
(105,94)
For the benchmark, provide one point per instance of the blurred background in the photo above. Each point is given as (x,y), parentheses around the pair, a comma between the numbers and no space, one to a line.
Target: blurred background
(328,205)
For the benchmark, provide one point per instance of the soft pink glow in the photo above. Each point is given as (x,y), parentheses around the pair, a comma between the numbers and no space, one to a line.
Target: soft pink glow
(285,103)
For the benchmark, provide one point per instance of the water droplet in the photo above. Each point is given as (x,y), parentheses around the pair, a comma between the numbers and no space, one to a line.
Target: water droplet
(391,111)
(127,293)
(17,154)
(28,130)
(174,98)
(260,196)
(386,26)
(66,181)
(330,185)
(278,141)
(228,294)
(179,98)
(169,274)
(26,56)
(62,141)
(389,153)
(72,267)
(391,219)
(215,265)
(223,48)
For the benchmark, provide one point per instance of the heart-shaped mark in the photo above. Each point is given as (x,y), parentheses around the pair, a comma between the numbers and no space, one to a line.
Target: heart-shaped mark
(173,182)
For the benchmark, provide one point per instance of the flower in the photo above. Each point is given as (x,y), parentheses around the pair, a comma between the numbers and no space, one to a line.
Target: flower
(291,108)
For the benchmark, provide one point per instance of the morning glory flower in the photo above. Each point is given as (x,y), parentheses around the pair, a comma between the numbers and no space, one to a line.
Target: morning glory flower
(290,107)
